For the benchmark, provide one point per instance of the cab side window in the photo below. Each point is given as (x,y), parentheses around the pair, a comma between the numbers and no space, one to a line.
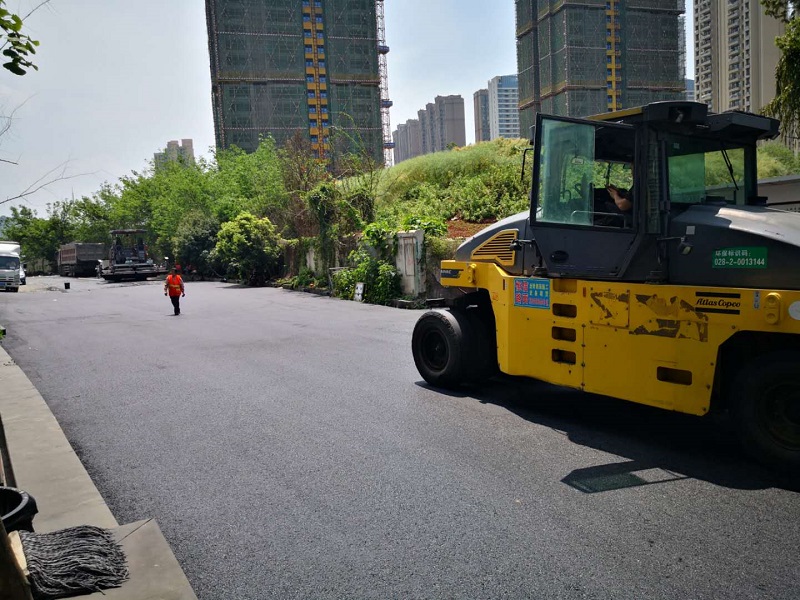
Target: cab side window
(585,175)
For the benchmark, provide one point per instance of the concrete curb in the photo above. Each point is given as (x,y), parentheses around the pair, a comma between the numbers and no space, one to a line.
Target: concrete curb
(44,464)
(42,460)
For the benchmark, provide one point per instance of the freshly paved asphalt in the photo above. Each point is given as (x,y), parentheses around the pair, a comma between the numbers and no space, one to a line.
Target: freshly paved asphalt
(288,449)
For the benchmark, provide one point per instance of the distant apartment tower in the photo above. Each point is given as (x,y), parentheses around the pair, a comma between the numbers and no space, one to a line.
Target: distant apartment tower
(735,54)
(175,152)
(442,123)
(582,57)
(480,101)
(279,67)
(690,90)
(504,107)
(407,141)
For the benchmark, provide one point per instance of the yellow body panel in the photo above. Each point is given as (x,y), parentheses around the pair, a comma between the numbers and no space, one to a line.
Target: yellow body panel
(647,343)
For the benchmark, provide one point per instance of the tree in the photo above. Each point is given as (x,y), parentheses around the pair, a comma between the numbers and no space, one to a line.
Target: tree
(252,245)
(40,238)
(786,104)
(16,46)
(90,219)
(302,168)
(194,240)
(251,182)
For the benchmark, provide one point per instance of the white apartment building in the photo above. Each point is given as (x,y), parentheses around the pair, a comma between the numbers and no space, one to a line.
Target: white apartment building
(735,54)
(504,107)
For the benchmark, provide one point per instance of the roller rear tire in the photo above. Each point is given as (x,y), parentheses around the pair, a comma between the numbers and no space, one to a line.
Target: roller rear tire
(766,408)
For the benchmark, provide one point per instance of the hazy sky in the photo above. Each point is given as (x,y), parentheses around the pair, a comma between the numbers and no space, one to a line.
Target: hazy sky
(118,79)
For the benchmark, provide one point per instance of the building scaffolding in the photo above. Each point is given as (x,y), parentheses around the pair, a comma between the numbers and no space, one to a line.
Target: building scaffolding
(583,57)
(285,66)
(386,103)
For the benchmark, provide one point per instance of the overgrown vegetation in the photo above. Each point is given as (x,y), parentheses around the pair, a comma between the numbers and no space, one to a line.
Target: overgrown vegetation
(380,278)
(786,104)
(477,183)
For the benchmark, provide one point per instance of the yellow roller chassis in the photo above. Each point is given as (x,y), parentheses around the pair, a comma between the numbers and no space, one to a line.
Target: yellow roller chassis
(652,344)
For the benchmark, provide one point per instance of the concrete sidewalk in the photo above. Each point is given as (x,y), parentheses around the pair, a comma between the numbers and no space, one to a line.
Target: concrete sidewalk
(44,464)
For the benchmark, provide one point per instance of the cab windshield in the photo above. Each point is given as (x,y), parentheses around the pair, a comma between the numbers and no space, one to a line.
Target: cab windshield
(705,171)
(9,263)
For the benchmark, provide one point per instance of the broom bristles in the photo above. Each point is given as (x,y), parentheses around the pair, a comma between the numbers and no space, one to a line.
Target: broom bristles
(72,561)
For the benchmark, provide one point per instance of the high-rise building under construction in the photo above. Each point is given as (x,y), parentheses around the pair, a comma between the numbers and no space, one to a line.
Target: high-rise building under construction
(582,57)
(313,66)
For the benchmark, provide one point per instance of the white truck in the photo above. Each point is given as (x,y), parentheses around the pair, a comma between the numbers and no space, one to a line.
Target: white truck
(12,271)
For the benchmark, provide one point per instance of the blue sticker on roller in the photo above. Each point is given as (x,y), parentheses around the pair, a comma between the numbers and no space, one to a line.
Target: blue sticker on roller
(532,293)
(451,273)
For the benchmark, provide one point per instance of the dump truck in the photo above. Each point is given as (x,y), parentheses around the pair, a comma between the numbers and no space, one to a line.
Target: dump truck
(12,273)
(128,259)
(688,301)
(78,259)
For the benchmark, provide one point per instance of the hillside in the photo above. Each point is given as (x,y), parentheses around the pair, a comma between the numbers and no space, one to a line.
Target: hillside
(482,183)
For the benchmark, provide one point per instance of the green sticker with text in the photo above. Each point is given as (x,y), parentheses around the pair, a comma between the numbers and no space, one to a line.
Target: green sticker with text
(740,258)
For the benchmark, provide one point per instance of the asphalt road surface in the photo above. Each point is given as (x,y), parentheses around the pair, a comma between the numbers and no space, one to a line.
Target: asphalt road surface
(289,449)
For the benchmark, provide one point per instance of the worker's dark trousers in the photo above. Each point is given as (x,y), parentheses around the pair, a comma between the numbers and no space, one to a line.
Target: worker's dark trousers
(176,303)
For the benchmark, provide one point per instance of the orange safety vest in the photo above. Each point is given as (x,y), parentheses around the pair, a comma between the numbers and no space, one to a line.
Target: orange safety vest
(174,284)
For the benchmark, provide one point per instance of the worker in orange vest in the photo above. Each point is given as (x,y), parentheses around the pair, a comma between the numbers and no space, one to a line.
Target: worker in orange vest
(173,287)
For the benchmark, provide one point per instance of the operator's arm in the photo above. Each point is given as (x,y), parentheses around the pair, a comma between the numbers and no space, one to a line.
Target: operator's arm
(621,198)
(183,291)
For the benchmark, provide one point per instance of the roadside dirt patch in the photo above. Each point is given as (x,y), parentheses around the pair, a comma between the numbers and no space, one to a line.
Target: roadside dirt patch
(463,229)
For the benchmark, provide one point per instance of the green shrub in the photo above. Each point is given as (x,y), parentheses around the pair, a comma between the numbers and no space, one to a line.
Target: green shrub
(305,278)
(381,279)
(439,249)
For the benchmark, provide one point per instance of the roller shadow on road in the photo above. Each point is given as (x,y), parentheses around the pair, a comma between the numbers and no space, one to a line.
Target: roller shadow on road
(655,446)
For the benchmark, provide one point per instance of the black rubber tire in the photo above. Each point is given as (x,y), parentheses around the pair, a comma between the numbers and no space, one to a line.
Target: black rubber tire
(766,408)
(438,345)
